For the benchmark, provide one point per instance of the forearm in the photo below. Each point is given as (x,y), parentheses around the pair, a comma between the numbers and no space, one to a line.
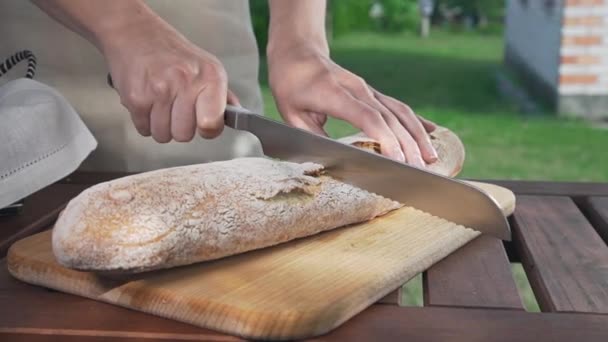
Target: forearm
(296,22)
(98,21)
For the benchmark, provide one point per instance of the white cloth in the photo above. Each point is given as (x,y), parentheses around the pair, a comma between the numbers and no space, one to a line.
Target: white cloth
(70,64)
(42,139)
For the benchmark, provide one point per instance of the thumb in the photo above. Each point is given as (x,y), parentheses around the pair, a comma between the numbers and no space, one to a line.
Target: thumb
(232,99)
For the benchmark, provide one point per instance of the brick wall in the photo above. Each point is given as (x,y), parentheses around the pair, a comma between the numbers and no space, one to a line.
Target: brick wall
(560,50)
(583,66)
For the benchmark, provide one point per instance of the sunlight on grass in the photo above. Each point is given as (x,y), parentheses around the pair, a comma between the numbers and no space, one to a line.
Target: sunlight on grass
(524,289)
(411,293)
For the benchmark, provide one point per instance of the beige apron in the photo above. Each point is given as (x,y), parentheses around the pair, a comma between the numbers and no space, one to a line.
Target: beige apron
(75,68)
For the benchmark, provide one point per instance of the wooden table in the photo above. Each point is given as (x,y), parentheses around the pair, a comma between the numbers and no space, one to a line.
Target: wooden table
(560,232)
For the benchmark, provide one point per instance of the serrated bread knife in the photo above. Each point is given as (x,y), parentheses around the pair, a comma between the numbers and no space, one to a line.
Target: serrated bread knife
(435,194)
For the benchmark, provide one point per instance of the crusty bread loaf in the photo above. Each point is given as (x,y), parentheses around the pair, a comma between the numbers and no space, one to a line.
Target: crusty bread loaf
(188,214)
(450,150)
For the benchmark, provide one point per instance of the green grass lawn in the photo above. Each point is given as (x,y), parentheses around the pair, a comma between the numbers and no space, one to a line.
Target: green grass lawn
(449,79)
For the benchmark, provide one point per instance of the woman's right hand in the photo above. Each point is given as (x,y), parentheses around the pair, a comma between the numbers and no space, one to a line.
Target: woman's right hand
(171,87)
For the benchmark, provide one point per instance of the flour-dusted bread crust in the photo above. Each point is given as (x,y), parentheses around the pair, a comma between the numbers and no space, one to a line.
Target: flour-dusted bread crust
(450,150)
(188,214)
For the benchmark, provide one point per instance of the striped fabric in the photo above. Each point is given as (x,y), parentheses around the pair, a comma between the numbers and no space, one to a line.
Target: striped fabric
(18,57)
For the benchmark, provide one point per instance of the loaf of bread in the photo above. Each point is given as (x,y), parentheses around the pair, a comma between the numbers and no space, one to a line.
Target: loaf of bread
(188,214)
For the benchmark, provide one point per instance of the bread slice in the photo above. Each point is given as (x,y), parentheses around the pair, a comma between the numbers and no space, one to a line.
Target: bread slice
(450,150)
(188,214)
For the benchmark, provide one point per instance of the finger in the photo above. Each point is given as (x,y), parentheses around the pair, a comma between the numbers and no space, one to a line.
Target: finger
(306,121)
(412,124)
(233,99)
(141,120)
(139,108)
(429,125)
(343,105)
(183,117)
(211,102)
(407,143)
(160,121)
(410,148)
(210,106)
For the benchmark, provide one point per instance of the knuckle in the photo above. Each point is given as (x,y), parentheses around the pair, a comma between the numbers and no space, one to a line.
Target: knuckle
(134,100)
(214,71)
(372,117)
(404,108)
(180,74)
(160,87)
(360,86)
(360,83)
(186,70)
(190,67)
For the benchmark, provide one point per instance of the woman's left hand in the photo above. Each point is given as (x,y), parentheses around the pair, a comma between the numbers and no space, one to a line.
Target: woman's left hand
(307,86)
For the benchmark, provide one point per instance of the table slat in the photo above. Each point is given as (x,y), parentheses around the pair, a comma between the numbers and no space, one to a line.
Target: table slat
(545,188)
(39,210)
(564,257)
(596,210)
(390,323)
(73,335)
(476,275)
(54,311)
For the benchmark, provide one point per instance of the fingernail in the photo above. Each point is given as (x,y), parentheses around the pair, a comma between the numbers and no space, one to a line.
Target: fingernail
(399,155)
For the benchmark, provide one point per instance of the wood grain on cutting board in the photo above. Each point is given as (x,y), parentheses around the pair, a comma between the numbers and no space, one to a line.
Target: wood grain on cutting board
(298,289)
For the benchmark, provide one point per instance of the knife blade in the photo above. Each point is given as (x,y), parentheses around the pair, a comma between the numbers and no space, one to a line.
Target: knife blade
(435,194)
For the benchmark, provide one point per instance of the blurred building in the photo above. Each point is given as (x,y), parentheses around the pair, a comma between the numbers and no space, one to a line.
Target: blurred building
(559,48)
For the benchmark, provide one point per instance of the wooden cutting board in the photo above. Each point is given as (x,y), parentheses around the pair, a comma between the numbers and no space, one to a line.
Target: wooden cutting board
(294,290)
